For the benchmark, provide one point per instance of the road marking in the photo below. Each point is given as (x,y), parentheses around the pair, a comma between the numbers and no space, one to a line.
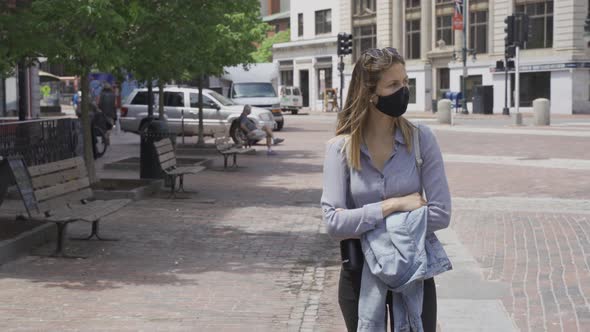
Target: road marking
(572,164)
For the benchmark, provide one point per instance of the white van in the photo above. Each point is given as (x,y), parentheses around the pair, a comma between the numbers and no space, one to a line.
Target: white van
(291,99)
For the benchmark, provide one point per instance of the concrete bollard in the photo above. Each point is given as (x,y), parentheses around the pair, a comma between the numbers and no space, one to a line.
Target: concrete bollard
(443,113)
(542,109)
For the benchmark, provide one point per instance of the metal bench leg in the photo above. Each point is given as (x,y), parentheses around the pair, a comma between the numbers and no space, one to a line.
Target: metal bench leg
(172,186)
(59,249)
(181,183)
(94,233)
(225,156)
(235,160)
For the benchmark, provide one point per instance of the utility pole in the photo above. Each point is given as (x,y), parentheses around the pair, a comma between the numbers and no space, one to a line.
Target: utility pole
(464,78)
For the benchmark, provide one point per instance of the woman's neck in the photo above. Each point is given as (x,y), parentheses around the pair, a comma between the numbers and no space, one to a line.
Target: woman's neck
(379,125)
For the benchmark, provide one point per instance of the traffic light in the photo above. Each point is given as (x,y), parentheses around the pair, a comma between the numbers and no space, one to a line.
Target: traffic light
(510,52)
(344,43)
(521,29)
(587,26)
(509,30)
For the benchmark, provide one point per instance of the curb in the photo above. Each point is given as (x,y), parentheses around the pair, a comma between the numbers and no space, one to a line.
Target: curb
(22,244)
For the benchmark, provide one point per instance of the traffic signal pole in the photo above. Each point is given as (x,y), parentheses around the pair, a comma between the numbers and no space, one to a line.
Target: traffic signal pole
(464,79)
(341,70)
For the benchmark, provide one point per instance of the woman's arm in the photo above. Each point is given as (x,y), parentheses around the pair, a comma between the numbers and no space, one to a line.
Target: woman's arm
(341,221)
(434,182)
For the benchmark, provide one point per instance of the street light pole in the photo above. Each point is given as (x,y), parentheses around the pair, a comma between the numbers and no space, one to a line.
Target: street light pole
(464,79)
(341,70)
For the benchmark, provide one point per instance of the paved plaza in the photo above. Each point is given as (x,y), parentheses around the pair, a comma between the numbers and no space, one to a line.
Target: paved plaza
(246,249)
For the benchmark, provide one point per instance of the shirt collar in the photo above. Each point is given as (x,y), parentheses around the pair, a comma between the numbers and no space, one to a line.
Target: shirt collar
(398,137)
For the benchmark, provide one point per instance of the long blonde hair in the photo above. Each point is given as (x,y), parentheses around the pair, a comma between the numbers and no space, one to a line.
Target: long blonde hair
(353,118)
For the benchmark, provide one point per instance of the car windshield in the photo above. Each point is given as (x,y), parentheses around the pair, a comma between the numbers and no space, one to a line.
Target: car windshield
(221,99)
(253,90)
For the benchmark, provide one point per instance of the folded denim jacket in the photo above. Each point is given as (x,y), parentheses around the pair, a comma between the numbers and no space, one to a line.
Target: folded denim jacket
(399,256)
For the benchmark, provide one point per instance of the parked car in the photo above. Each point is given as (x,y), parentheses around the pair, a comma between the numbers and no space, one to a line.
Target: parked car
(181,109)
(291,99)
(258,94)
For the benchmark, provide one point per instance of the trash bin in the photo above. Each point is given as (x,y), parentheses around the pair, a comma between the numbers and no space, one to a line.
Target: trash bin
(483,99)
(149,165)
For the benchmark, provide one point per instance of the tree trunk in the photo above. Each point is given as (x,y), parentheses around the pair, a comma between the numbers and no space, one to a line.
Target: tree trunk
(201,141)
(150,99)
(23,92)
(86,127)
(161,100)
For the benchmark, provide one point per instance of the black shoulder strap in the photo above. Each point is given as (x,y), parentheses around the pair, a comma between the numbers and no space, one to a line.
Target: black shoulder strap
(418,154)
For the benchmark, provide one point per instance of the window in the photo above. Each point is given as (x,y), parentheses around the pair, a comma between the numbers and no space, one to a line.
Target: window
(412,3)
(275,6)
(173,99)
(207,102)
(324,80)
(253,90)
(443,81)
(140,98)
(478,31)
(470,82)
(444,29)
(363,7)
(532,86)
(412,87)
(413,39)
(541,23)
(323,21)
(300,24)
(287,77)
(364,38)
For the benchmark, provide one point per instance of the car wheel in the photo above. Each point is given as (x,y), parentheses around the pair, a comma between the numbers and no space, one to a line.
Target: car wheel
(294,112)
(280,125)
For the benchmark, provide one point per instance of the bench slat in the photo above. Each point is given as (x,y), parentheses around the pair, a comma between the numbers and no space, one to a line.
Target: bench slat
(56,166)
(163,142)
(167,164)
(61,189)
(89,212)
(58,203)
(165,149)
(47,180)
(186,170)
(167,156)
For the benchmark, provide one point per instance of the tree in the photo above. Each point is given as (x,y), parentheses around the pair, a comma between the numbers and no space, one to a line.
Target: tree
(226,35)
(264,52)
(83,35)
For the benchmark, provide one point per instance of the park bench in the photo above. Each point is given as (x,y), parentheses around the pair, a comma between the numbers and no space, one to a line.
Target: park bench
(60,192)
(227,148)
(167,159)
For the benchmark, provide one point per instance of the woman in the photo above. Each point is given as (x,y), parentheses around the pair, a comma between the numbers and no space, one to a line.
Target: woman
(370,172)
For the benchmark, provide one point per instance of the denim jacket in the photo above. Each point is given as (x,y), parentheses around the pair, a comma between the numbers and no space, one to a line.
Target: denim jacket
(399,256)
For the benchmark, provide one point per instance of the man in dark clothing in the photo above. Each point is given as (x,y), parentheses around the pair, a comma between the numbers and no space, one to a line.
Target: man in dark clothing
(254,133)
(107,105)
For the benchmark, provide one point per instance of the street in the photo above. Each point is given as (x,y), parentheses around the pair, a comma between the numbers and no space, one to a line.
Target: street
(247,250)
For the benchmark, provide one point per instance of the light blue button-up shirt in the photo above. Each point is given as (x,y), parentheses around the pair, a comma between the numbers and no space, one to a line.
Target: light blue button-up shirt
(360,192)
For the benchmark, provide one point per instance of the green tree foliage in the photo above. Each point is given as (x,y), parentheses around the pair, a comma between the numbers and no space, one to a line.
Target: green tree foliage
(264,52)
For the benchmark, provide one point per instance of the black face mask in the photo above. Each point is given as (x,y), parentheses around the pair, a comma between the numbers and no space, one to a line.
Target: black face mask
(395,104)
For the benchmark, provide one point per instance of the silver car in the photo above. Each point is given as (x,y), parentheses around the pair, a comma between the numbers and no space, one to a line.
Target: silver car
(181,109)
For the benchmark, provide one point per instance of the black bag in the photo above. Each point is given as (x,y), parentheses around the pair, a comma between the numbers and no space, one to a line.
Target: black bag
(352,256)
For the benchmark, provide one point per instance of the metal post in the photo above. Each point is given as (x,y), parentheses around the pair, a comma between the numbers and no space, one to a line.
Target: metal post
(341,69)
(517,81)
(464,90)
(182,123)
(506,110)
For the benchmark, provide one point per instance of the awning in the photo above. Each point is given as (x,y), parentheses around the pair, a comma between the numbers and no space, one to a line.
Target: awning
(47,77)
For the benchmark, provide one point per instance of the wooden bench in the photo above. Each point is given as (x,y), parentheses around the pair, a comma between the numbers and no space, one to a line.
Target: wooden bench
(226,147)
(167,159)
(60,193)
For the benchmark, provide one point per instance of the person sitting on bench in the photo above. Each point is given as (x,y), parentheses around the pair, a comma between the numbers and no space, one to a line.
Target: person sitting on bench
(254,133)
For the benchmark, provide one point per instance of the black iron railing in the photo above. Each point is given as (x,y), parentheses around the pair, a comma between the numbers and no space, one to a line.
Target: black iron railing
(41,141)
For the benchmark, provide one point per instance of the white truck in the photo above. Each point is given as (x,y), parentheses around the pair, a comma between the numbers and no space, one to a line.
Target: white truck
(256,86)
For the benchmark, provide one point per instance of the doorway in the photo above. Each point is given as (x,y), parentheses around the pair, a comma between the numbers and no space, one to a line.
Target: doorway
(304,86)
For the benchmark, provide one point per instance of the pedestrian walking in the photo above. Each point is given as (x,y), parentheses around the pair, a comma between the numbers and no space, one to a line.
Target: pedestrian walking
(107,105)
(371,173)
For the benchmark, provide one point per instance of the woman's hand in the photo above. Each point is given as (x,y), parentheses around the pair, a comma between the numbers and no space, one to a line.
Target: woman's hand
(402,204)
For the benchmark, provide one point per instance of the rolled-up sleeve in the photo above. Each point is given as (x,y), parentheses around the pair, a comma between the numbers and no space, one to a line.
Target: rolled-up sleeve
(435,182)
(349,222)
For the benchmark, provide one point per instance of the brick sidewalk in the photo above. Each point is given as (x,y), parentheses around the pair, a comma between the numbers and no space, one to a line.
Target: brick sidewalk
(249,252)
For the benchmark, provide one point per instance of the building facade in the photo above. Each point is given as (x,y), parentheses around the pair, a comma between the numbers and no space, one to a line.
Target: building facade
(554,63)
(276,14)
(309,60)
